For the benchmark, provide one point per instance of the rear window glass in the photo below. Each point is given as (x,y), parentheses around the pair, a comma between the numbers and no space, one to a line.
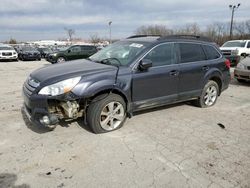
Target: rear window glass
(191,52)
(211,52)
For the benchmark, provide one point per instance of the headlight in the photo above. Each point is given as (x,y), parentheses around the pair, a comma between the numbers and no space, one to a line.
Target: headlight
(235,52)
(241,66)
(55,54)
(60,87)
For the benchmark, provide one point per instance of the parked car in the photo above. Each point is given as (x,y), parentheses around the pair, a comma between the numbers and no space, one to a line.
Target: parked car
(29,53)
(7,52)
(242,71)
(128,76)
(44,51)
(72,53)
(233,50)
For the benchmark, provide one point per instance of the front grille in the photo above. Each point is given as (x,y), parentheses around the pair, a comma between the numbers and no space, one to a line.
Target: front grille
(226,52)
(30,85)
(7,53)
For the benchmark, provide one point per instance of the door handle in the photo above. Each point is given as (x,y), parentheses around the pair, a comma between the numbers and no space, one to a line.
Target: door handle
(174,73)
(205,68)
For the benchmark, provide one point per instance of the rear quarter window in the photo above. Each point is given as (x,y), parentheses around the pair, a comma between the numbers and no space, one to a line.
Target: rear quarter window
(211,52)
(190,52)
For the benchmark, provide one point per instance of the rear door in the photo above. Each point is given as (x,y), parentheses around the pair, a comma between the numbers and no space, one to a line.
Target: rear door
(193,67)
(87,51)
(159,83)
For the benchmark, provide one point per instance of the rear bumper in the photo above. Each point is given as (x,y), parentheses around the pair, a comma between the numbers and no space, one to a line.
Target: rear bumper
(242,74)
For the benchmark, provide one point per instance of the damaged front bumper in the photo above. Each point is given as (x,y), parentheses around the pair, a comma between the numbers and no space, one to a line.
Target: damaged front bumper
(46,111)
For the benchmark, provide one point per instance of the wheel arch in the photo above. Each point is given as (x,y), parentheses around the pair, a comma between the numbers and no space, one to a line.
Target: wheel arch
(115,91)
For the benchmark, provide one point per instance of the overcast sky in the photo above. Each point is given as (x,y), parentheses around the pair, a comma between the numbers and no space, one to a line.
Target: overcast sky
(46,19)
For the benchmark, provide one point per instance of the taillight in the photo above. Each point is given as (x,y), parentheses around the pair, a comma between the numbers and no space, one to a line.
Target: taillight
(227,63)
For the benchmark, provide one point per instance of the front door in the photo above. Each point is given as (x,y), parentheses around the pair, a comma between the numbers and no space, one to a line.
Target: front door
(159,84)
(74,53)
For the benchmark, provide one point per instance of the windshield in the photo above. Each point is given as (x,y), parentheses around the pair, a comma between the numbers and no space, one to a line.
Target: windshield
(6,48)
(234,44)
(46,49)
(124,51)
(28,49)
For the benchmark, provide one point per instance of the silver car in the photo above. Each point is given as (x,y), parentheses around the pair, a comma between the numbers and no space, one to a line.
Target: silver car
(242,71)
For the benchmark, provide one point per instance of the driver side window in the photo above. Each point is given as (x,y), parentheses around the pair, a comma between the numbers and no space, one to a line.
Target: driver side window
(162,55)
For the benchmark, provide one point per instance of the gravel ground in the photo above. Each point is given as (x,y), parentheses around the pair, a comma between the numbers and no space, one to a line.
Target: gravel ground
(176,146)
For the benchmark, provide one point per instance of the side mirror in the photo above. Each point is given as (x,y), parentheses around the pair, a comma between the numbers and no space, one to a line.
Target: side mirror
(145,64)
(69,51)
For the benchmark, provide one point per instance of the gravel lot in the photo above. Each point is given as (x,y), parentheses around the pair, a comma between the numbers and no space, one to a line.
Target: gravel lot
(176,146)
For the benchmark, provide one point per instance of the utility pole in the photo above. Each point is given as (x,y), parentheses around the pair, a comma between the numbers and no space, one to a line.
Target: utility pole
(233,8)
(110,39)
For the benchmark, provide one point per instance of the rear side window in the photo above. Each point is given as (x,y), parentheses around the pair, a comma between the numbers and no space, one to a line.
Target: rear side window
(88,48)
(191,52)
(211,52)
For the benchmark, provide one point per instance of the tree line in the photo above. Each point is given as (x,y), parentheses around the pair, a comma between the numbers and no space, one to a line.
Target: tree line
(218,32)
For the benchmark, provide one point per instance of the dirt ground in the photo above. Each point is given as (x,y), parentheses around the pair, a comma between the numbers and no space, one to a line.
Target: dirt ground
(176,146)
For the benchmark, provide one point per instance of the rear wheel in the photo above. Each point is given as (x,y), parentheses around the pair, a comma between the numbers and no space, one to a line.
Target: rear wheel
(209,95)
(106,113)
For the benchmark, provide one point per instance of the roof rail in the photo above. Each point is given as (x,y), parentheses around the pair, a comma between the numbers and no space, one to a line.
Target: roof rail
(139,36)
(191,37)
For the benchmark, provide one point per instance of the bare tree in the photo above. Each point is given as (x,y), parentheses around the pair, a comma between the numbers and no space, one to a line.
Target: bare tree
(190,29)
(94,38)
(153,30)
(70,33)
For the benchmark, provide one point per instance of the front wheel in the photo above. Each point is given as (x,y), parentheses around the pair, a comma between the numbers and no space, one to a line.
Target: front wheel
(209,95)
(106,113)
(60,60)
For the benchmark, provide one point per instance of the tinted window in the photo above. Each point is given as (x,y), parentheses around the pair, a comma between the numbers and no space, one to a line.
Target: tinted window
(75,49)
(89,48)
(191,52)
(162,55)
(211,52)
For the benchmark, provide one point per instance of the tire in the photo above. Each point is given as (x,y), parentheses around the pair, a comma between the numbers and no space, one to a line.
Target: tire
(240,80)
(209,95)
(60,60)
(106,113)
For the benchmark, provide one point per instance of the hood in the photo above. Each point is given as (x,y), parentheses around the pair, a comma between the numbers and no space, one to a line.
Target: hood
(229,48)
(4,51)
(30,51)
(69,69)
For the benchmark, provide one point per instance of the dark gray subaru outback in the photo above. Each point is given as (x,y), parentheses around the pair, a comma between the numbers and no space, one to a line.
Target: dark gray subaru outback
(137,73)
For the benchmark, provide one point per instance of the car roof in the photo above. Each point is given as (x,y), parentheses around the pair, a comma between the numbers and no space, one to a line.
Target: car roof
(170,38)
(238,40)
